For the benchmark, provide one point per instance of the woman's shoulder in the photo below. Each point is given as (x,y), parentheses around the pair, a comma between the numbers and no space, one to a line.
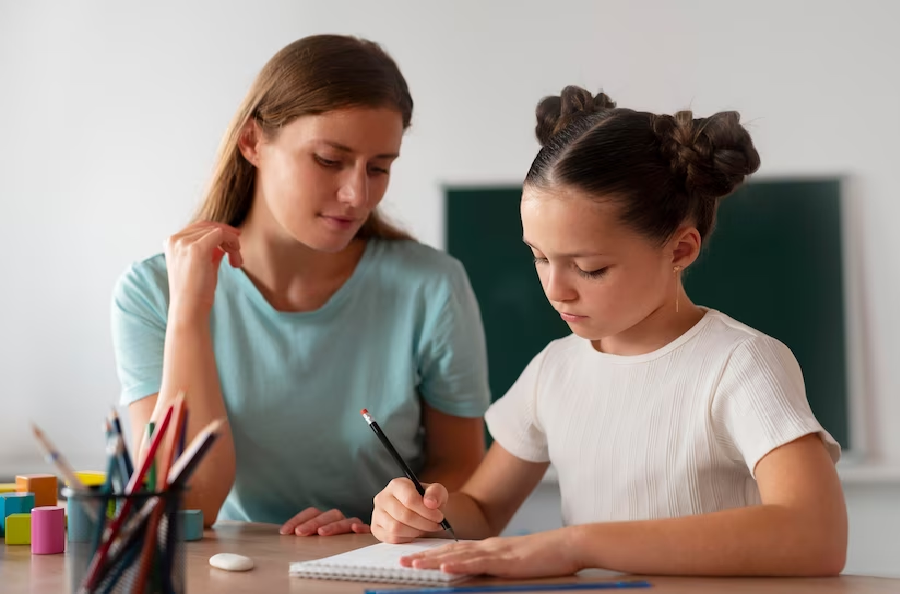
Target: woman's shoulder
(412,263)
(143,283)
(415,256)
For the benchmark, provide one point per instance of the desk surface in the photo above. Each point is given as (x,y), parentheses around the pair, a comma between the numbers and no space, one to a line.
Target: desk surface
(271,553)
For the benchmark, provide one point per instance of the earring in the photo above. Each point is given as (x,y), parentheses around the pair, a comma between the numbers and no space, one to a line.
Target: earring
(677,291)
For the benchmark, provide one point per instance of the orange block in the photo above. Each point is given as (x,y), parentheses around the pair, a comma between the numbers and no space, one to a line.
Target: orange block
(42,485)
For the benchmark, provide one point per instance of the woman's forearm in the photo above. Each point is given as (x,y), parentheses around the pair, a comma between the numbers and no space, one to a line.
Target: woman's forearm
(765,540)
(189,366)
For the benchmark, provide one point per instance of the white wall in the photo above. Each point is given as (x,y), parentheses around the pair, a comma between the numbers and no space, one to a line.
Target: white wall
(111,115)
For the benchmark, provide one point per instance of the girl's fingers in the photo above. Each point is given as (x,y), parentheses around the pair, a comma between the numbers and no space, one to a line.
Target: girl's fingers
(403,515)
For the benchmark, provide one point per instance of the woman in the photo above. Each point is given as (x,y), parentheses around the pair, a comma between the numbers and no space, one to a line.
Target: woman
(321,309)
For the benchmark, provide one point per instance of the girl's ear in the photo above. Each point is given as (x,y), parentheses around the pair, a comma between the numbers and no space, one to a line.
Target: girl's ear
(685,246)
(249,141)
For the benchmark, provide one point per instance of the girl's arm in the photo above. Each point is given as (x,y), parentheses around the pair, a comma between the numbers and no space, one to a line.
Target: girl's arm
(484,506)
(800,528)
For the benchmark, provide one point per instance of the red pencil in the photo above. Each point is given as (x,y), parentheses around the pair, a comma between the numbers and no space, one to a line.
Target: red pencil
(149,549)
(136,479)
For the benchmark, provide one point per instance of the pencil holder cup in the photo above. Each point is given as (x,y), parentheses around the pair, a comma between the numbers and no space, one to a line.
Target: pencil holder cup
(144,530)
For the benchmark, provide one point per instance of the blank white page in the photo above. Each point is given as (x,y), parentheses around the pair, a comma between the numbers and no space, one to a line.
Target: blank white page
(379,562)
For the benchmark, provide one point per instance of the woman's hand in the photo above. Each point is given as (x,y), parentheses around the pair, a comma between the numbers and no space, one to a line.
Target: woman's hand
(546,554)
(313,521)
(401,514)
(193,256)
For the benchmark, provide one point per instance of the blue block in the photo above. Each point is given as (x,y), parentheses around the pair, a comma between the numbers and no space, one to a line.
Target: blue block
(14,503)
(191,521)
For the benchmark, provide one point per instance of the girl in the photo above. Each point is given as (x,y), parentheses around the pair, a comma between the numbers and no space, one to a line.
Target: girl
(683,439)
(322,307)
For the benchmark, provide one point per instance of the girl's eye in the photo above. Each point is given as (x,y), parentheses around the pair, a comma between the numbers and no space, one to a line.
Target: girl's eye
(326,162)
(378,171)
(593,274)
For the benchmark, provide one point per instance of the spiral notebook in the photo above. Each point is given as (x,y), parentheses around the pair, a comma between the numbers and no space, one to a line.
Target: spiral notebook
(377,563)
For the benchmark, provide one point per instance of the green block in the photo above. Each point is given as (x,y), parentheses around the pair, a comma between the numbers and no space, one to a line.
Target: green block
(18,529)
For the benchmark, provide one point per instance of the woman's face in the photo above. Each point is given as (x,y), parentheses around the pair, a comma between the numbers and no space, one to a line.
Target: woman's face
(322,175)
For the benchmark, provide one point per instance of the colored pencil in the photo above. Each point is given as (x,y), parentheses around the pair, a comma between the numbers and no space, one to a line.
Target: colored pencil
(136,479)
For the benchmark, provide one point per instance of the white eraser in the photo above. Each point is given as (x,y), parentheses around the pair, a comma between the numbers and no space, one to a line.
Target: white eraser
(231,562)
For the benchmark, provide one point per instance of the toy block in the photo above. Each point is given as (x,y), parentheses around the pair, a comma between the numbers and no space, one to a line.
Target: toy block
(18,529)
(14,503)
(48,532)
(91,478)
(7,487)
(191,521)
(43,486)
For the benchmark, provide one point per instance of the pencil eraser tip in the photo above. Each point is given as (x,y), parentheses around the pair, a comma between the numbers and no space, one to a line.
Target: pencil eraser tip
(364,411)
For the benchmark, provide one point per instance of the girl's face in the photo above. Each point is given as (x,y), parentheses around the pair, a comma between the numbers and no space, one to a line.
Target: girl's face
(322,175)
(602,277)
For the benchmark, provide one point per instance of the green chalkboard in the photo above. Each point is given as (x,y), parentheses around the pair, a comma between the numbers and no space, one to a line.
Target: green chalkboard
(774,262)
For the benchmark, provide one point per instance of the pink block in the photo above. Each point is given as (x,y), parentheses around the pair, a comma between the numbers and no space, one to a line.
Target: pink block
(48,530)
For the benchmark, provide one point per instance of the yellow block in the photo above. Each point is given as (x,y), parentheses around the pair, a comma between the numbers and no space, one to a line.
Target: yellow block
(18,529)
(91,478)
(7,487)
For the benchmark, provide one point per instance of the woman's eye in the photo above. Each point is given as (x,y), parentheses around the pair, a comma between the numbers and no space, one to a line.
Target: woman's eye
(326,162)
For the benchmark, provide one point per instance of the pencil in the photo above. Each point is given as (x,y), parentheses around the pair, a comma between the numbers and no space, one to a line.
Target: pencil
(151,481)
(178,428)
(518,588)
(401,463)
(149,548)
(117,425)
(136,479)
(57,459)
(187,462)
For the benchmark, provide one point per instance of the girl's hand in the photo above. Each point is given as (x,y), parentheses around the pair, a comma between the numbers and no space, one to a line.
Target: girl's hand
(193,256)
(313,521)
(402,515)
(546,554)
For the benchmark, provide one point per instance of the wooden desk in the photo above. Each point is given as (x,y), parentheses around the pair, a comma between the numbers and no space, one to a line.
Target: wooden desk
(22,572)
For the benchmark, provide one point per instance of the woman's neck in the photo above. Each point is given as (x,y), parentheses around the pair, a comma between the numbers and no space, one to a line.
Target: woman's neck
(658,329)
(292,276)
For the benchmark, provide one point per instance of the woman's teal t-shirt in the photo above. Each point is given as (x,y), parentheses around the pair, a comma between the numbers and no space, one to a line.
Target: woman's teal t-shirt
(404,328)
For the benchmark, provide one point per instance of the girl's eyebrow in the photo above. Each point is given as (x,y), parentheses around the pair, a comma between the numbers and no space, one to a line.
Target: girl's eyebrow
(573,255)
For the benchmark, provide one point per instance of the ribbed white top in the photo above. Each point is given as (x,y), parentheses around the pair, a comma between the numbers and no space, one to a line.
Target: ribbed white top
(674,432)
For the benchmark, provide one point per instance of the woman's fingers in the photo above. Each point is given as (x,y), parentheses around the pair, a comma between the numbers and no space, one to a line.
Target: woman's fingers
(312,526)
(304,516)
(340,527)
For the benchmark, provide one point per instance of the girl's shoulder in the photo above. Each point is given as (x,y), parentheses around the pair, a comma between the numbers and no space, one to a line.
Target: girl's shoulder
(724,330)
